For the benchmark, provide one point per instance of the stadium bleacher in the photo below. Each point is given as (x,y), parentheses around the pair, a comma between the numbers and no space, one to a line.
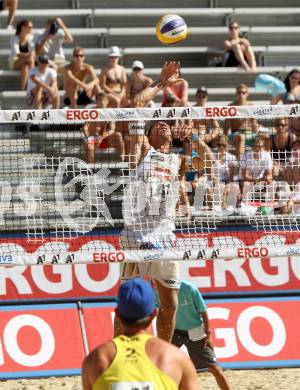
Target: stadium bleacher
(273,32)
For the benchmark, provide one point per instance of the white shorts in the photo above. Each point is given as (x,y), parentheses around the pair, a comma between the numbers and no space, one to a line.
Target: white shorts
(165,272)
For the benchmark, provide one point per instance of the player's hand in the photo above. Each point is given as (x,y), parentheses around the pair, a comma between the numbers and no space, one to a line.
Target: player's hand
(169,70)
(208,342)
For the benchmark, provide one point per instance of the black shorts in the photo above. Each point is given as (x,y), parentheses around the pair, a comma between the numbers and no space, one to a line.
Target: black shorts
(82,99)
(201,356)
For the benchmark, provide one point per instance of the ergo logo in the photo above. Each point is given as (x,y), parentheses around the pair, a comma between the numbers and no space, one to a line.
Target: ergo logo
(82,114)
(109,257)
(252,252)
(220,111)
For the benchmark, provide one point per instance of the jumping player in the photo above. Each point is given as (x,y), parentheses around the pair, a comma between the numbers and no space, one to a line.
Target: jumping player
(156,184)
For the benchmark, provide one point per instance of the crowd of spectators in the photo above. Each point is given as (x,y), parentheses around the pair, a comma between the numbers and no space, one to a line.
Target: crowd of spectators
(241,150)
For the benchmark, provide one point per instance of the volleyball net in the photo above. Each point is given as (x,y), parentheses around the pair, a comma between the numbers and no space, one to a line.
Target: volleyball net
(111,185)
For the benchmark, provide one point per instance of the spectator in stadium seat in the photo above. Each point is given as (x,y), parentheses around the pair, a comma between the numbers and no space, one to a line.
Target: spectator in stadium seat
(292,85)
(225,168)
(102,135)
(22,53)
(177,91)
(11,6)
(42,85)
(257,164)
(241,131)
(113,78)
(238,50)
(193,330)
(135,359)
(50,42)
(81,83)
(136,82)
(199,170)
(291,96)
(208,129)
(279,143)
(292,169)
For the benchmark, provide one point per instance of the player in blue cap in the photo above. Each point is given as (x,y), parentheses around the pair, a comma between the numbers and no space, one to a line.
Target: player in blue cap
(136,359)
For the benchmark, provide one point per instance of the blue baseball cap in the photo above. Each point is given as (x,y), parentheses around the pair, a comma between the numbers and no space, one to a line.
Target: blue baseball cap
(136,299)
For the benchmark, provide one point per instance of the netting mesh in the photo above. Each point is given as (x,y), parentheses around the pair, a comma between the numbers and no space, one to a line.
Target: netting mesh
(148,188)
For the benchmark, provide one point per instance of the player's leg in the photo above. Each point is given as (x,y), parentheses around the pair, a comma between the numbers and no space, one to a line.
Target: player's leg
(220,378)
(127,271)
(167,311)
(203,356)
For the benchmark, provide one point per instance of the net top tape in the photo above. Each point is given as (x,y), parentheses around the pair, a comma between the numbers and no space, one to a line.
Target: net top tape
(157,113)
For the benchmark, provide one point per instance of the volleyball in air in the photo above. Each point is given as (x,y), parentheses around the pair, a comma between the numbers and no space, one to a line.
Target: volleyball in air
(171,29)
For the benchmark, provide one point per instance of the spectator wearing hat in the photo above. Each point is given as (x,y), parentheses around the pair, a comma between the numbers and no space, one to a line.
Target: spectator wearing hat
(81,83)
(136,82)
(113,78)
(11,6)
(50,42)
(207,129)
(22,52)
(42,85)
(136,359)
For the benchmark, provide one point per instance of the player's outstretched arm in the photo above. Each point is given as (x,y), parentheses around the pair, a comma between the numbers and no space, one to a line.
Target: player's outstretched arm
(168,71)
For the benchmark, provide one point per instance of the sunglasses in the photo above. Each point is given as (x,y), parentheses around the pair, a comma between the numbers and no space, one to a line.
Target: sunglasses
(233,27)
(295,78)
(222,145)
(241,92)
(281,125)
(78,55)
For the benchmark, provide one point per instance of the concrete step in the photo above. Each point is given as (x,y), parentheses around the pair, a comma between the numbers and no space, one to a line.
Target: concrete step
(72,17)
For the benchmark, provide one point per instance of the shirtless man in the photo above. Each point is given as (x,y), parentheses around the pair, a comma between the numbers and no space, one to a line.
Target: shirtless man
(137,81)
(101,135)
(136,359)
(80,80)
(243,130)
(113,78)
(11,6)
(207,129)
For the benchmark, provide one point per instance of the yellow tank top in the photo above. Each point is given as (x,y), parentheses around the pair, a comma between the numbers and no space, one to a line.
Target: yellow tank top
(132,369)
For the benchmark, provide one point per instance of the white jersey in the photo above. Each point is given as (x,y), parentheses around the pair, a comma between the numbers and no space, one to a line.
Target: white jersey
(150,198)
